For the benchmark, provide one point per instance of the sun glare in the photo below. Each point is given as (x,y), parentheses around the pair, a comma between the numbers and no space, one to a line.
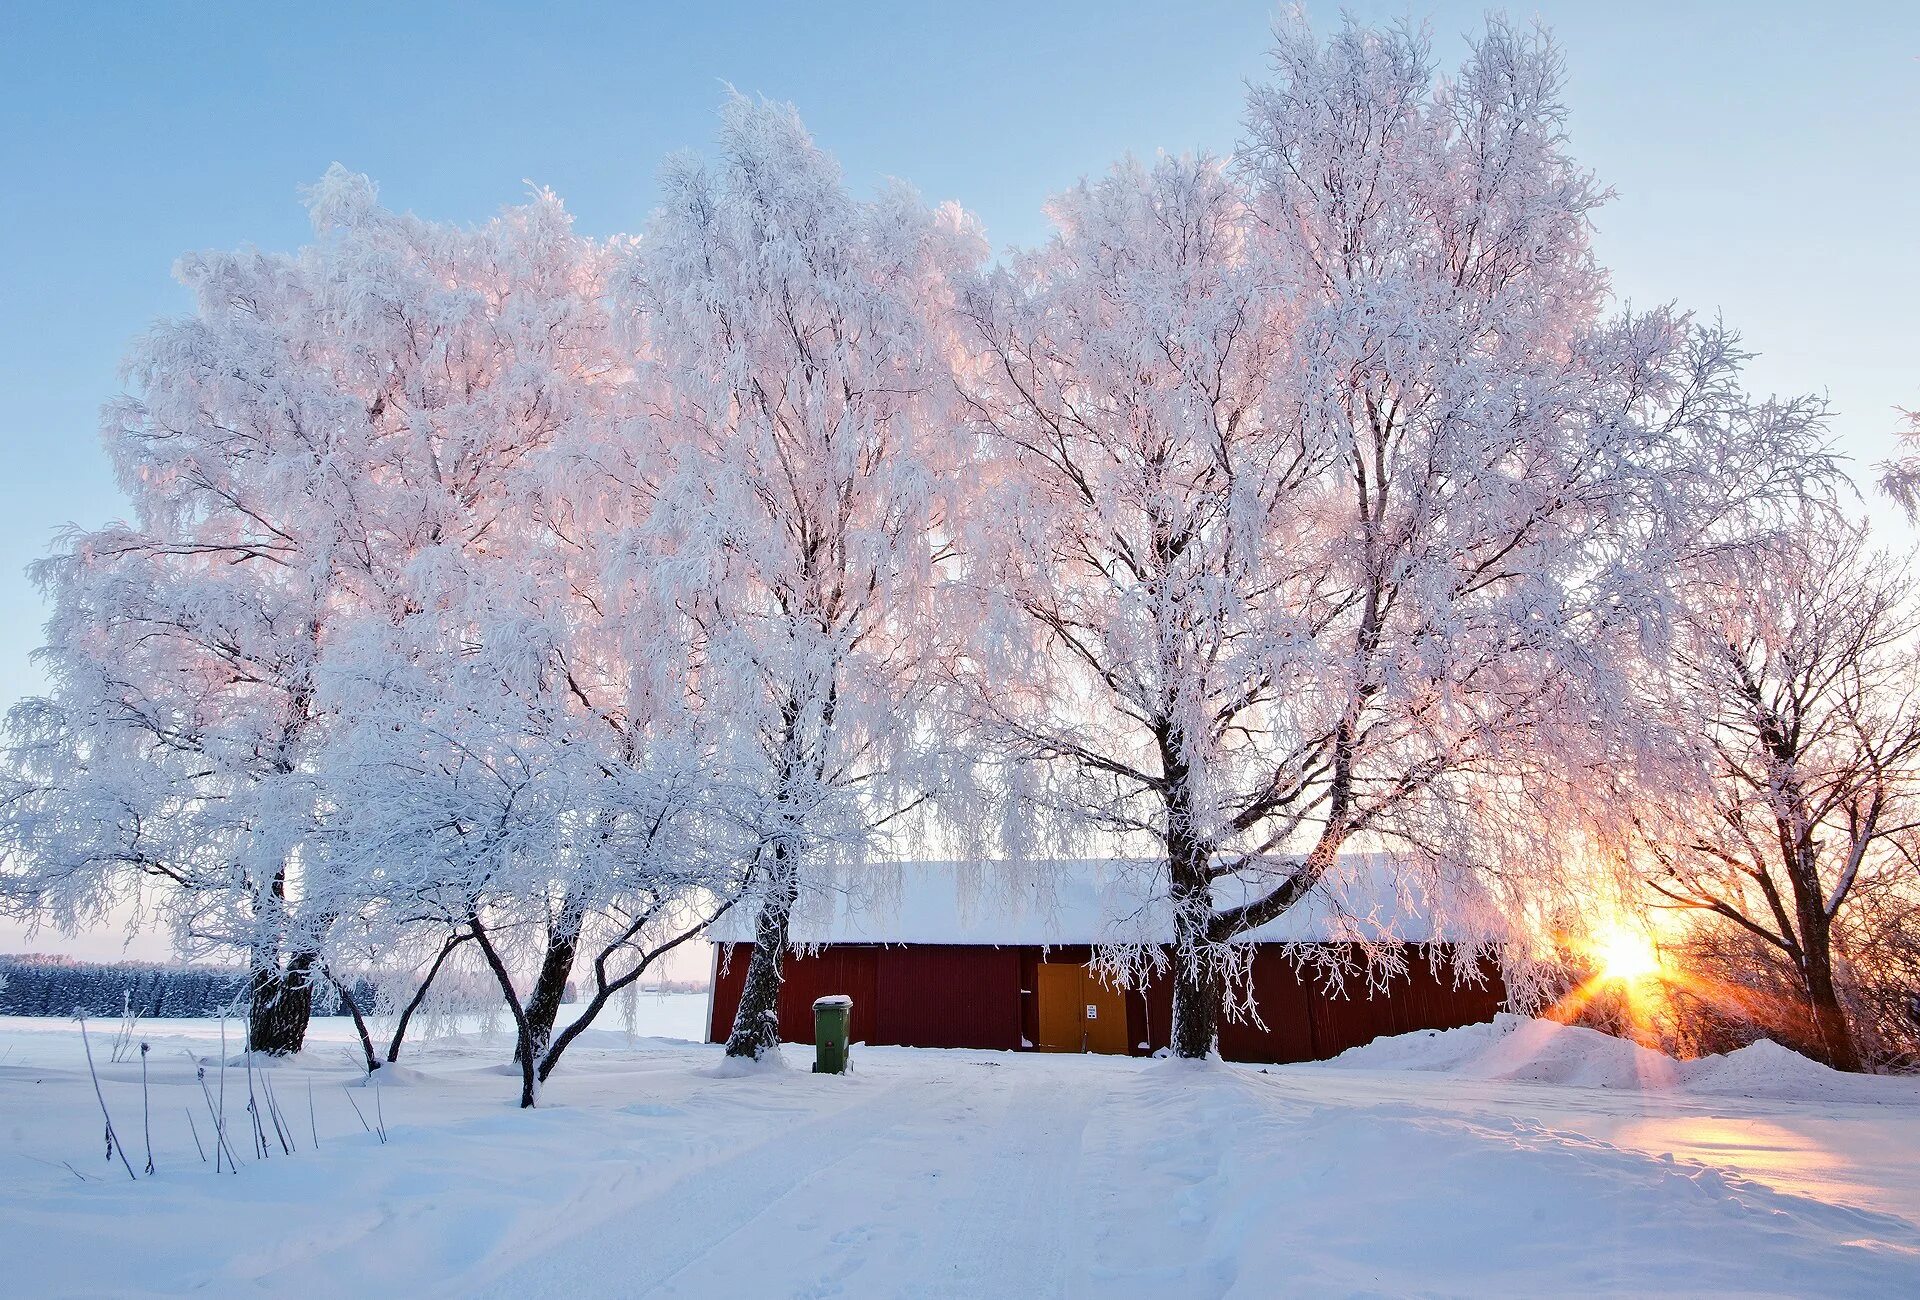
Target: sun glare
(1625,955)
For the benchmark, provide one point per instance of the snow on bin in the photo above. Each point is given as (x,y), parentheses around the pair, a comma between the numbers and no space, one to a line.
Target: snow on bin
(832,1017)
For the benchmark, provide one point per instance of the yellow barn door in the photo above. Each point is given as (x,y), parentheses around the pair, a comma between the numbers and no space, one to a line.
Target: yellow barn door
(1078,1012)
(1057,995)
(1106,1013)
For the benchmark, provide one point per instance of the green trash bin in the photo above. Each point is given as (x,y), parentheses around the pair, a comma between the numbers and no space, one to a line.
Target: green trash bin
(832,1019)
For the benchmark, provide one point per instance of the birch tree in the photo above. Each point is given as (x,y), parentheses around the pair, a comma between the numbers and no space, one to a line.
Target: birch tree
(300,454)
(806,407)
(529,771)
(1331,490)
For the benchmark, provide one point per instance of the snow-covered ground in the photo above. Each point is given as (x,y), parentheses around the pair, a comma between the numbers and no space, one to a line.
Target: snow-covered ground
(1518,1158)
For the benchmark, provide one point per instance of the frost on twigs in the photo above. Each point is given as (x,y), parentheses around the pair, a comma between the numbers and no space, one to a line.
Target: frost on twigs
(1900,476)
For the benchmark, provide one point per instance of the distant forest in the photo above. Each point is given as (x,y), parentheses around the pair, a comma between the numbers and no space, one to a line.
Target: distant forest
(36,984)
(50,986)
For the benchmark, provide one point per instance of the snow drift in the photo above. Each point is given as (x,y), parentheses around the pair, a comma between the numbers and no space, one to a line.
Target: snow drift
(1521,1049)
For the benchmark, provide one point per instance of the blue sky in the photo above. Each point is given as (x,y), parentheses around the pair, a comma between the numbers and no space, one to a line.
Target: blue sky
(1764,157)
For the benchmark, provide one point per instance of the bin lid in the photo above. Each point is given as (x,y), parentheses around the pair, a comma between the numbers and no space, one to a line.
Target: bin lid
(833,1000)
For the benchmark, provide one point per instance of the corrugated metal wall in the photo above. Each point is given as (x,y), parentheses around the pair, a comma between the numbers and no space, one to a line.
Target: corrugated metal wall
(937,995)
(1306,1022)
(1285,1008)
(919,995)
(837,969)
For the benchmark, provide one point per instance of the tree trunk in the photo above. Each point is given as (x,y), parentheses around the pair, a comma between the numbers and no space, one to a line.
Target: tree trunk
(1196,971)
(420,994)
(529,1086)
(543,1005)
(1197,976)
(604,989)
(1196,1012)
(756,1025)
(352,1005)
(1831,1034)
(282,1002)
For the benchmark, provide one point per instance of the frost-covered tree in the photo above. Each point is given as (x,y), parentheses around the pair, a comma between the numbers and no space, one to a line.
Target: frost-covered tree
(301,454)
(480,796)
(1788,705)
(1900,476)
(805,395)
(658,853)
(1135,547)
(1325,488)
(529,770)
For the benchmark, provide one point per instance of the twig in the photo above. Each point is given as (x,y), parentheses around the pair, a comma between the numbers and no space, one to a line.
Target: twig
(287,1144)
(220,1121)
(123,1038)
(356,1109)
(219,1135)
(146,1107)
(312,1126)
(253,1105)
(196,1134)
(61,1165)
(113,1143)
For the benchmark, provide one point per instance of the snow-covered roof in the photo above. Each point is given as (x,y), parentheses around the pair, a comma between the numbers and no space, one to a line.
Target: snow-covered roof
(1366,897)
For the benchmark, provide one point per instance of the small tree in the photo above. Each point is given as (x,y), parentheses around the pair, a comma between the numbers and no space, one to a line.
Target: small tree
(534,739)
(1791,705)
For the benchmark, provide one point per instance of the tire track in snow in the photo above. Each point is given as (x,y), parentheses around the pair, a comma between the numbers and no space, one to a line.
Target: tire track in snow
(1009,1239)
(697,1214)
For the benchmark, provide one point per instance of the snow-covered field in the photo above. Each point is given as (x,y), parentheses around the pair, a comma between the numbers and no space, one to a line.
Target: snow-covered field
(1519,1158)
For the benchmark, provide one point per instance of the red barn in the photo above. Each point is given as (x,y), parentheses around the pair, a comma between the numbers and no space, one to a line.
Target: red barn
(931,963)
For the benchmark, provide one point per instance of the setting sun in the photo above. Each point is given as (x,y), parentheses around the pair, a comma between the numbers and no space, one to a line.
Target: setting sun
(1625,955)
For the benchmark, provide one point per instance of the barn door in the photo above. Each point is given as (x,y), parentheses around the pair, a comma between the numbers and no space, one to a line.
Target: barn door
(1078,1012)
(1106,1014)
(1056,992)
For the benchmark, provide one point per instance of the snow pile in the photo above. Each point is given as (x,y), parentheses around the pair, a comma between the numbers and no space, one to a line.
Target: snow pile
(1520,1049)
(1766,1069)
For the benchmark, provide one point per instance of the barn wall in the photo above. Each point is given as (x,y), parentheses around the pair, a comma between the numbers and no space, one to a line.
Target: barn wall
(936,995)
(1421,999)
(838,968)
(1284,1031)
(943,995)
(1304,1022)
(921,995)
(1150,1017)
(729,977)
